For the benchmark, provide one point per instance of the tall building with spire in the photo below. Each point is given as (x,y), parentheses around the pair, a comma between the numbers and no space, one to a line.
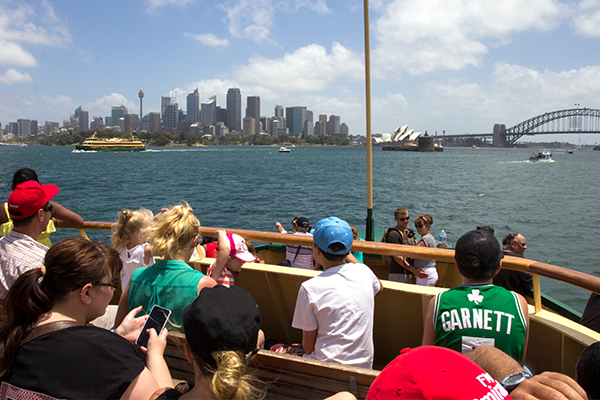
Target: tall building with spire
(234,109)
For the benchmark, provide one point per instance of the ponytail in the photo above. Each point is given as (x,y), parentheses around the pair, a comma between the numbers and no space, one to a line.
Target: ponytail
(128,223)
(229,379)
(23,305)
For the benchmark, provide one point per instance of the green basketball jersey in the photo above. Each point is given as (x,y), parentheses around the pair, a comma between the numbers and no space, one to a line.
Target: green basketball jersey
(474,315)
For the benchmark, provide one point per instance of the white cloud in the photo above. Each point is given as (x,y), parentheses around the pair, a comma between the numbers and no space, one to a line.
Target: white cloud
(154,5)
(586,20)
(41,108)
(208,39)
(13,54)
(13,76)
(103,105)
(423,36)
(308,68)
(253,19)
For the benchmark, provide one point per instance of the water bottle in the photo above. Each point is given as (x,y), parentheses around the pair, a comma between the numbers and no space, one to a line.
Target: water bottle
(443,237)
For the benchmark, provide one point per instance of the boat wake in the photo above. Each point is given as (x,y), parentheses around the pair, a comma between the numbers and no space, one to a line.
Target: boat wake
(83,151)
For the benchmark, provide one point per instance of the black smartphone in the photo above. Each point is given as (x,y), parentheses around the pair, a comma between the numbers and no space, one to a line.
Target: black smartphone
(157,319)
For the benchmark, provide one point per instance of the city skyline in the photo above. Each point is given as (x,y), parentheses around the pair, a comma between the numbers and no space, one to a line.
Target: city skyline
(458,67)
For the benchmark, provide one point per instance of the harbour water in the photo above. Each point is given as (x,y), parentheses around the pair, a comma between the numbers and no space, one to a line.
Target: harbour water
(555,205)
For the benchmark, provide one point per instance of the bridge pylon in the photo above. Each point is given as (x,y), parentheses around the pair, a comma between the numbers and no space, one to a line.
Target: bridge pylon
(499,136)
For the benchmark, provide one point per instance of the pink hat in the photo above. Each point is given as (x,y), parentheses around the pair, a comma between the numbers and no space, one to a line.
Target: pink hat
(28,198)
(239,249)
(432,373)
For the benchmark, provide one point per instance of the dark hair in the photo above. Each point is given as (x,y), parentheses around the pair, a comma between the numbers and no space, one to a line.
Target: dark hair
(486,228)
(588,370)
(337,246)
(509,238)
(24,175)
(469,266)
(19,222)
(70,265)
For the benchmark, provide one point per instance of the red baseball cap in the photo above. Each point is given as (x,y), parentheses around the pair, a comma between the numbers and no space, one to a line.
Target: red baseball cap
(28,198)
(434,373)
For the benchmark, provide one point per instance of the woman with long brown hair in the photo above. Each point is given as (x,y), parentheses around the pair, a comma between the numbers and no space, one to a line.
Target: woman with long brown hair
(46,346)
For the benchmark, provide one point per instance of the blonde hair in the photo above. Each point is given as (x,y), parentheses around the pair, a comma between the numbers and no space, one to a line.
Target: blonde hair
(128,223)
(230,380)
(428,219)
(174,231)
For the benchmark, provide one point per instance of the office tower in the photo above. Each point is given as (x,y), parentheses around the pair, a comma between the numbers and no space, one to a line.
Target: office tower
(55,127)
(221,129)
(24,127)
(131,123)
(275,125)
(13,127)
(48,128)
(234,109)
(308,128)
(209,111)
(84,121)
(118,113)
(165,101)
(193,106)
(34,127)
(74,124)
(322,124)
(154,119)
(253,110)
(334,125)
(108,122)
(121,123)
(97,123)
(249,126)
(344,131)
(221,115)
(278,112)
(76,112)
(171,116)
(293,119)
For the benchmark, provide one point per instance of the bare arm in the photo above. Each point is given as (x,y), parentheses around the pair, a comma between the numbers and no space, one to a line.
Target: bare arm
(3,217)
(142,387)
(223,255)
(279,227)
(309,340)
(147,254)
(66,215)
(206,281)
(351,259)
(428,329)
(494,361)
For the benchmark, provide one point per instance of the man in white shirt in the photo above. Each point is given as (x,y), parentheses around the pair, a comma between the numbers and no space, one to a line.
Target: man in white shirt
(30,209)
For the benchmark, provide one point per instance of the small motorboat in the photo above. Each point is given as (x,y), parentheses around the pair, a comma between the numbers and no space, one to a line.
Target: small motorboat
(541,156)
(283,149)
(569,151)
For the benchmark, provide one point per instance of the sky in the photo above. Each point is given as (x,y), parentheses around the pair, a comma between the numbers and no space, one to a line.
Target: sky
(458,66)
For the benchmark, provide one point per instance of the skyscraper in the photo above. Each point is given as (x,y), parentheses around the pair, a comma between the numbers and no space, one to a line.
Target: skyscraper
(234,109)
(84,120)
(334,125)
(322,125)
(193,106)
(209,111)
(293,120)
(24,127)
(118,113)
(165,101)
(171,116)
(253,110)
(278,112)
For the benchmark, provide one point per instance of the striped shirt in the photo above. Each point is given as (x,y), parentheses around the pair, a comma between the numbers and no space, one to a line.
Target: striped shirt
(19,253)
(226,278)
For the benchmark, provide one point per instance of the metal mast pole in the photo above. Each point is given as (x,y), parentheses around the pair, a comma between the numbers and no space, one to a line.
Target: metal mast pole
(370,225)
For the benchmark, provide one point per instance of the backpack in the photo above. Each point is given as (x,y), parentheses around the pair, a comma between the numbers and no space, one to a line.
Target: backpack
(387,260)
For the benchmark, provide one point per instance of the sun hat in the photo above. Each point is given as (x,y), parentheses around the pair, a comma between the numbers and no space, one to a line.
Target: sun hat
(432,373)
(239,249)
(221,318)
(28,198)
(482,245)
(333,230)
(302,222)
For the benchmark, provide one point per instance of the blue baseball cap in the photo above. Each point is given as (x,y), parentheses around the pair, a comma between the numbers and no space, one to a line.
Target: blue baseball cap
(333,230)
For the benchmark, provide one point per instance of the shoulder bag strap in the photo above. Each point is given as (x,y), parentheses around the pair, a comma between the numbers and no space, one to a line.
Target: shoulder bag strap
(45,329)
(296,256)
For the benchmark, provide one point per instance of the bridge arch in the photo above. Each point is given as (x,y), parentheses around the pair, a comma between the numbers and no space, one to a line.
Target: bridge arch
(574,120)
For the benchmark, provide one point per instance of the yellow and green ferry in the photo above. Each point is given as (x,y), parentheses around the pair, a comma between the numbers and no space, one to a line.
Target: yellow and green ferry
(111,144)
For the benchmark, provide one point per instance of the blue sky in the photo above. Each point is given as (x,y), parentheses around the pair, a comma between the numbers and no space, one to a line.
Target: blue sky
(453,65)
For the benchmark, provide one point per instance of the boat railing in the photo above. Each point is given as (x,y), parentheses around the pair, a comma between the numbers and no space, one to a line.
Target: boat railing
(536,268)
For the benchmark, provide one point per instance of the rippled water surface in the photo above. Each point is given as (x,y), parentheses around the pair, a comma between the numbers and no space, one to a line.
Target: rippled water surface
(554,205)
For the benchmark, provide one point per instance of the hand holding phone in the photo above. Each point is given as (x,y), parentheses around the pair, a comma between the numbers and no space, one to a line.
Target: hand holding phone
(157,319)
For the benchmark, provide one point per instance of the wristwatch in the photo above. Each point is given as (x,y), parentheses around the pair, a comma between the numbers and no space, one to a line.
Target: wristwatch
(513,380)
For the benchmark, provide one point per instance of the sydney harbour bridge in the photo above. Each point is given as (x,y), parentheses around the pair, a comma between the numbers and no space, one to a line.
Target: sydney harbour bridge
(575,120)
